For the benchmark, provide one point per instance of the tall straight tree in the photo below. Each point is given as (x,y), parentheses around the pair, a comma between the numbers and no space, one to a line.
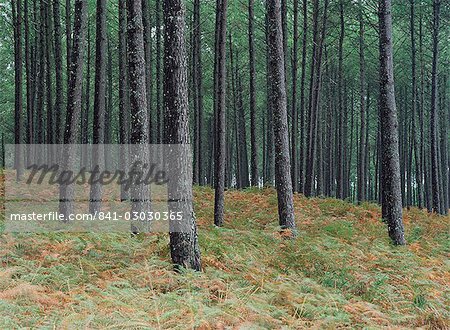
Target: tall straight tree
(434,112)
(302,96)
(68,40)
(253,146)
(294,112)
(66,192)
(123,92)
(362,96)
(98,124)
(148,61)
(219,147)
(314,95)
(18,102)
(278,102)
(391,200)
(414,108)
(198,95)
(184,246)
(138,103)
(58,70)
(341,142)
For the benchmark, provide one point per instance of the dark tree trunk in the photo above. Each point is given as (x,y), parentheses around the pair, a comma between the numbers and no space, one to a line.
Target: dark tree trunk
(58,109)
(294,112)
(49,96)
(158,72)
(242,133)
(18,102)
(198,86)
(391,192)
(362,94)
(434,112)
(98,122)
(278,102)
(148,62)
(341,142)
(29,63)
(68,42)
(314,106)
(219,147)
(140,193)
(183,245)
(66,192)
(253,145)
(123,92)
(269,175)
(417,161)
(302,97)
(87,100)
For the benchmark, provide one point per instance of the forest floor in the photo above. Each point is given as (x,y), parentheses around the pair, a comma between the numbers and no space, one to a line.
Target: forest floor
(341,272)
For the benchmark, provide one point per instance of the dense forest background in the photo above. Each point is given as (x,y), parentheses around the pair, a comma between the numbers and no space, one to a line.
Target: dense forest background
(346,160)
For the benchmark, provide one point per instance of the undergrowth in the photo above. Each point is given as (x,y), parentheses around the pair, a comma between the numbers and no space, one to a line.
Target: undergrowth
(341,271)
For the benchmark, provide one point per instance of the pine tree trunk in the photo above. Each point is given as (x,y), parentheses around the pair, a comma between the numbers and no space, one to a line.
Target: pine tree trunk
(219,148)
(124,138)
(362,92)
(18,102)
(436,191)
(278,102)
(253,145)
(66,192)
(302,97)
(98,123)
(148,63)
(58,70)
(391,192)
(139,193)
(294,112)
(184,246)
(198,86)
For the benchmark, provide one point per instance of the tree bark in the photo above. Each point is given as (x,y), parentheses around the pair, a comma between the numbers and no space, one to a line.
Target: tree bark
(219,147)
(124,138)
(18,102)
(362,94)
(391,192)
(58,70)
(294,111)
(98,122)
(184,246)
(66,192)
(278,102)
(253,145)
(434,112)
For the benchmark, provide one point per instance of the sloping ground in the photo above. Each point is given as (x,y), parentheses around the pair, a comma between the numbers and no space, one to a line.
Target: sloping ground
(340,272)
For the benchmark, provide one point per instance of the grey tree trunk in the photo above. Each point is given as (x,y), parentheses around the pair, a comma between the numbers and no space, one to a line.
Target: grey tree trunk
(98,123)
(362,94)
(123,92)
(66,192)
(436,184)
(302,97)
(294,111)
(184,246)
(219,147)
(253,145)
(391,201)
(278,102)
(139,193)
(18,102)
(58,108)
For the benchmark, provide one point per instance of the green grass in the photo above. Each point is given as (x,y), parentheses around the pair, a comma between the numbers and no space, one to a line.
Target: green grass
(341,271)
